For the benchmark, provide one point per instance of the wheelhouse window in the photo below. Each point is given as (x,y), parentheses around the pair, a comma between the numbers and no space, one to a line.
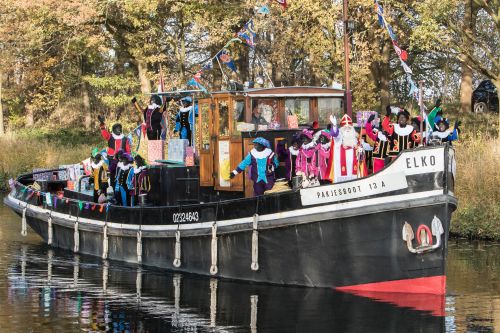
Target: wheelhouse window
(205,127)
(299,107)
(223,119)
(238,115)
(329,106)
(265,113)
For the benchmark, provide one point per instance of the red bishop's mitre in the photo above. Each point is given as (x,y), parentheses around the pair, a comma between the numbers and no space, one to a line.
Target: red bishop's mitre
(345,121)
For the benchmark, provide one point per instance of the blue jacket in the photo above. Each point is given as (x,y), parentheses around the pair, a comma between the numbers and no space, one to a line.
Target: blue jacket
(262,165)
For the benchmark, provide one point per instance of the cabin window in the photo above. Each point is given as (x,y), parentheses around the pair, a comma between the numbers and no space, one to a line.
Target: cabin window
(223,119)
(205,128)
(238,115)
(299,107)
(329,106)
(265,113)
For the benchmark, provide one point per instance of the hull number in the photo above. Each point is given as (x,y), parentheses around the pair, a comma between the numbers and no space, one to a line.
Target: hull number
(185,217)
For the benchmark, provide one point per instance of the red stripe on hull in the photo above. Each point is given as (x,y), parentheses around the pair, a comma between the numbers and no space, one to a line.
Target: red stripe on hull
(435,285)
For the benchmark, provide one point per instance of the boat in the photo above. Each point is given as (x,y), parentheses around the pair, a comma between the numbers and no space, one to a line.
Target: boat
(384,233)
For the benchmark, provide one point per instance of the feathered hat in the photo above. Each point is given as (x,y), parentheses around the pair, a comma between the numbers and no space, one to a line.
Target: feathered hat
(261,141)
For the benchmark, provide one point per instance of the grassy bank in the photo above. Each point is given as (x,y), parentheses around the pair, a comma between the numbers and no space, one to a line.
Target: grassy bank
(23,151)
(477,152)
(478,178)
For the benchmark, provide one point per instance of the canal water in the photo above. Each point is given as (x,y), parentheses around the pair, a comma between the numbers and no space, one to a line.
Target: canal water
(49,290)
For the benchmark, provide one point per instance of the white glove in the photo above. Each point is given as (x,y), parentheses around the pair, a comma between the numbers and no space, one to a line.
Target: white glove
(333,120)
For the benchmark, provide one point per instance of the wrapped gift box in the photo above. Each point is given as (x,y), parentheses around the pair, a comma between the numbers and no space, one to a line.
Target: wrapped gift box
(177,150)
(156,151)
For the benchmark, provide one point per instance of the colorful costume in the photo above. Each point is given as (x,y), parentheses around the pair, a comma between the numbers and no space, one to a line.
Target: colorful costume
(343,164)
(304,163)
(184,121)
(402,138)
(321,157)
(381,148)
(262,165)
(446,136)
(138,183)
(115,142)
(122,193)
(153,121)
(99,175)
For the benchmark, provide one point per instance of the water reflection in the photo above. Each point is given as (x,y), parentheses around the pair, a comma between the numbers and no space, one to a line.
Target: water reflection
(87,293)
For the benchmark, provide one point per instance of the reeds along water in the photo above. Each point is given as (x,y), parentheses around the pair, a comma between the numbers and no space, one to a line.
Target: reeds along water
(21,153)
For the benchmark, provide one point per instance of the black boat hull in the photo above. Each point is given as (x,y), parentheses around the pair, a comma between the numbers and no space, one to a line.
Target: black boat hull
(358,245)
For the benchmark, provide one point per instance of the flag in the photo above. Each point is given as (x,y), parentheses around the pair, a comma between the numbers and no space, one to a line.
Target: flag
(248,33)
(391,33)
(197,76)
(406,68)
(282,3)
(401,53)
(208,65)
(161,86)
(193,83)
(225,57)
(380,14)
(264,10)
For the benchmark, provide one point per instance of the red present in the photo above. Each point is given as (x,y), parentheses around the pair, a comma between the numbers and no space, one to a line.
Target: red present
(156,151)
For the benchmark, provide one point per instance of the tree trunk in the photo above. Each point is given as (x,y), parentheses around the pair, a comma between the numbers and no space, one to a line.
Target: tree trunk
(143,77)
(466,81)
(2,130)
(29,115)
(497,84)
(86,106)
(384,78)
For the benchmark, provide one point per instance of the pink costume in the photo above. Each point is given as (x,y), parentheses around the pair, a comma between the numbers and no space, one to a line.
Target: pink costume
(304,162)
(321,157)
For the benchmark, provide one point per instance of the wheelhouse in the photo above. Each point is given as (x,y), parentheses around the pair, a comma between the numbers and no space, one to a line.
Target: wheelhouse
(227,126)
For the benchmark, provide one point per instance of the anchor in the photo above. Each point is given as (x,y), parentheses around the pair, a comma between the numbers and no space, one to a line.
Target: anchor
(424,238)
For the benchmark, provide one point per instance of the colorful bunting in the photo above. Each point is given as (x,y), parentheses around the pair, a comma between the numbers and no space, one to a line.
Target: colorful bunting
(400,52)
(264,10)
(282,3)
(197,85)
(225,58)
(248,33)
(406,68)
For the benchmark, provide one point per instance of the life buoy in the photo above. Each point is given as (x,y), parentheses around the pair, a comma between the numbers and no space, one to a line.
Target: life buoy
(428,232)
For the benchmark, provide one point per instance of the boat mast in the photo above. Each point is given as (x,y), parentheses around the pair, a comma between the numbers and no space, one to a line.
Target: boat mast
(348,97)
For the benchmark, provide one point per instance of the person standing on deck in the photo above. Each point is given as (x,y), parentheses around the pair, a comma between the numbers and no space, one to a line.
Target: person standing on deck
(124,167)
(262,162)
(184,121)
(138,181)
(403,135)
(98,176)
(343,164)
(322,155)
(381,147)
(153,116)
(116,139)
(304,163)
(444,134)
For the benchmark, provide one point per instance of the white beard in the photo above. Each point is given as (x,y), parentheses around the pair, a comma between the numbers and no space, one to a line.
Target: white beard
(349,136)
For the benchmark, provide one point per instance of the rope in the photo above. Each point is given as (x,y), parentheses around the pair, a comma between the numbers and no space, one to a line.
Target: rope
(177,260)
(139,246)
(213,302)
(76,238)
(253,312)
(105,242)
(49,231)
(213,268)
(24,230)
(255,244)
